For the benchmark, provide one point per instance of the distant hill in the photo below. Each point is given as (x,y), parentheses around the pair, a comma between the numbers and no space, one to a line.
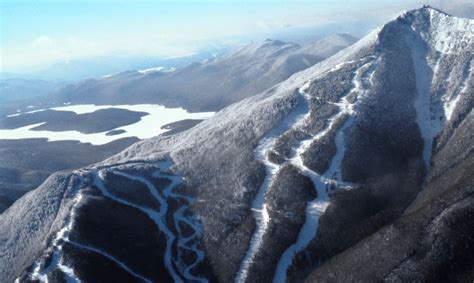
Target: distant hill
(209,85)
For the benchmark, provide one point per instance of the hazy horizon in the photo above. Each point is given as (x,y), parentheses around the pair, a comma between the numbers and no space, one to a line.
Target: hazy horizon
(44,32)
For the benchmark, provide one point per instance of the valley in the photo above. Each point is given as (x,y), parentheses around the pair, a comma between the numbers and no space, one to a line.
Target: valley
(284,167)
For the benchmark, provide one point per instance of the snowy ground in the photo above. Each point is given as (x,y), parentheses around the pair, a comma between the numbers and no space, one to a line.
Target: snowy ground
(332,177)
(148,126)
(184,241)
(362,84)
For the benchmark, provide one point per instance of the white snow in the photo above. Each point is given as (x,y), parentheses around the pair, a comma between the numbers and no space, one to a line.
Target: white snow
(297,119)
(156,69)
(184,242)
(41,272)
(449,103)
(171,262)
(448,32)
(449,107)
(178,216)
(447,35)
(428,127)
(157,217)
(259,208)
(112,258)
(21,113)
(332,177)
(182,55)
(148,126)
(174,264)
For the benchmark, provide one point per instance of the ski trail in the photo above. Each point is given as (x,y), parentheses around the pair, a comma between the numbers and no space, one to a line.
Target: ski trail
(104,254)
(41,272)
(184,242)
(362,82)
(178,216)
(158,218)
(296,119)
(259,208)
(151,188)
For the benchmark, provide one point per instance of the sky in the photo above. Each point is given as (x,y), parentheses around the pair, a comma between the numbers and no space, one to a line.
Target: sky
(41,32)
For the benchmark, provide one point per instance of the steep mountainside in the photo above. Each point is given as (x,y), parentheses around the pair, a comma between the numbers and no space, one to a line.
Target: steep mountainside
(359,168)
(209,85)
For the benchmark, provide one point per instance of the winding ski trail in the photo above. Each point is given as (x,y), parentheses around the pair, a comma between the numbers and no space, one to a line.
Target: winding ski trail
(297,119)
(259,208)
(332,177)
(175,264)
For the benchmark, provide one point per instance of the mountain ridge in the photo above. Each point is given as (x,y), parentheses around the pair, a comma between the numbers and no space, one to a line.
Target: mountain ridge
(359,110)
(210,85)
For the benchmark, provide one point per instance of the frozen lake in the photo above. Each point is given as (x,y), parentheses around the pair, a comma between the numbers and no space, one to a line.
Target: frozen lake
(147,127)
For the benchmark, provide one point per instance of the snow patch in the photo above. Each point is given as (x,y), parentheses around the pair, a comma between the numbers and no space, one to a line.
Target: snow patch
(449,107)
(156,69)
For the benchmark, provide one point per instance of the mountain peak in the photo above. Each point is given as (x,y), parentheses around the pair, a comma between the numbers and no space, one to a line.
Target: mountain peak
(426,12)
(430,8)
(445,33)
(264,48)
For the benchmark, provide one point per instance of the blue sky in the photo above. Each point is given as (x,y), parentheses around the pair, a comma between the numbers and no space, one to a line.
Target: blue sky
(38,32)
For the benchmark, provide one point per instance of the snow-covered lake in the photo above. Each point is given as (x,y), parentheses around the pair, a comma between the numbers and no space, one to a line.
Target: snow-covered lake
(148,126)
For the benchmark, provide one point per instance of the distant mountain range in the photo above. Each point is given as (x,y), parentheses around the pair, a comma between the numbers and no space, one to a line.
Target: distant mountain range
(72,70)
(209,85)
(15,89)
(358,168)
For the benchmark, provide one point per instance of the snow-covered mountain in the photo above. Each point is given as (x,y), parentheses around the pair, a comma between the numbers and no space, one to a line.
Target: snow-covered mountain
(359,168)
(209,85)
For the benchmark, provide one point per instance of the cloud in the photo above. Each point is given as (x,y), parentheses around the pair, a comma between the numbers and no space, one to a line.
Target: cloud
(273,25)
(261,24)
(43,42)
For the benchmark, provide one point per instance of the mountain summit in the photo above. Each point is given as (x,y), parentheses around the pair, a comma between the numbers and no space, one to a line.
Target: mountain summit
(359,168)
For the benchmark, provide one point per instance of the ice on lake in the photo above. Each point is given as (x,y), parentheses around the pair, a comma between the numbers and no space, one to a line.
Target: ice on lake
(148,126)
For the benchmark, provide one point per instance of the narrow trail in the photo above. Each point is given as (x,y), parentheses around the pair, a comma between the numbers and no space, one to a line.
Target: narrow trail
(259,208)
(110,257)
(181,241)
(157,217)
(297,119)
(175,265)
(332,178)
(41,272)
